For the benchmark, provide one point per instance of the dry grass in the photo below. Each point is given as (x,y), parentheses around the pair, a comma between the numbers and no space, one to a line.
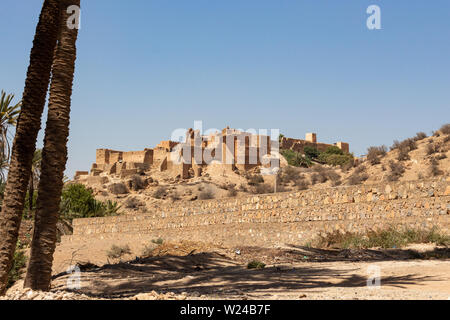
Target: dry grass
(255,264)
(374,154)
(137,183)
(117,252)
(160,192)
(434,170)
(445,129)
(389,238)
(396,171)
(255,179)
(263,189)
(206,194)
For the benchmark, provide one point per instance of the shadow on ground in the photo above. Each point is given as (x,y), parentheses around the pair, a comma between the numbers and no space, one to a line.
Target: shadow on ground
(226,275)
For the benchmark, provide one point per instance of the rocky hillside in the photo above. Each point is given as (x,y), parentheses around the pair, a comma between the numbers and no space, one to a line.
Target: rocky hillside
(420,157)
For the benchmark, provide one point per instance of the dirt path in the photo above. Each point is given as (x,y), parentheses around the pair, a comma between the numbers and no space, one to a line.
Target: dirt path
(202,271)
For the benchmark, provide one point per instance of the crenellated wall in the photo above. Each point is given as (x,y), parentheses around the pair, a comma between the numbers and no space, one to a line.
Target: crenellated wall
(283,218)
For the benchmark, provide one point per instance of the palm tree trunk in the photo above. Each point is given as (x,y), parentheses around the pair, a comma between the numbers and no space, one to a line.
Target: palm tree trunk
(28,126)
(54,157)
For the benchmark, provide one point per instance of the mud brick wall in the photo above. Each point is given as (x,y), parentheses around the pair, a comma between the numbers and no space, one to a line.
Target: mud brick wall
(284,218)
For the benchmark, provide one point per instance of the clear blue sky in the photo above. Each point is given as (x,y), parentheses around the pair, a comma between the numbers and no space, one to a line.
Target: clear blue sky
(147,67)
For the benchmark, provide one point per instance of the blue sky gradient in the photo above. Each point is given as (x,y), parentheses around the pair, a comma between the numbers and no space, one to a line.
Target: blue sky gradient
(147,67)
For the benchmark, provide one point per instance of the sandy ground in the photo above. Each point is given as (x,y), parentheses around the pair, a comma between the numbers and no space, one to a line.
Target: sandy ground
(203,271)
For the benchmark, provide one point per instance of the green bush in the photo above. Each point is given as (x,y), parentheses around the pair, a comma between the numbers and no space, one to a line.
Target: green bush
(296,159)
(79,202)
(311,152)
(158,241)
(334,156)
(19,262)
(255,264)
(335,159)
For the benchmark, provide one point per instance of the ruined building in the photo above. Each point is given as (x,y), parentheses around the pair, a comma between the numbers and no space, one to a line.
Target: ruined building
(229,149)
(311,141)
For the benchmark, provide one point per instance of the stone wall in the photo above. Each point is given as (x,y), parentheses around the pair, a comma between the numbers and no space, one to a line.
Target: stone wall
(284,218)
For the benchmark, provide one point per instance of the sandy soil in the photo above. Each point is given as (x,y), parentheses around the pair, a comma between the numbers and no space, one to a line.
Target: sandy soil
(202,271)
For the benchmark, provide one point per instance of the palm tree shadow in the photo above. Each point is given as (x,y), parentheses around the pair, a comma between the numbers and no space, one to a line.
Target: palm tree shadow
(215,274)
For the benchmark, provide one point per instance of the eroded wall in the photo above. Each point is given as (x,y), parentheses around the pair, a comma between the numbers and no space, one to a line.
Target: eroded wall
(283,218)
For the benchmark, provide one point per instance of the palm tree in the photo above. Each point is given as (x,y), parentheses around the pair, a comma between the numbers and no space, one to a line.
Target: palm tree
(34,178)
(54,157)
(28,125)
(8,117)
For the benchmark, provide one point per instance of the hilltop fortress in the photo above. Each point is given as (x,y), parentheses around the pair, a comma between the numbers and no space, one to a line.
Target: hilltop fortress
(229,149)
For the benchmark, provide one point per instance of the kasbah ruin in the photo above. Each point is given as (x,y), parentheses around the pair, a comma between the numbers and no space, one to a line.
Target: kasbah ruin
(218,214)
(226,214)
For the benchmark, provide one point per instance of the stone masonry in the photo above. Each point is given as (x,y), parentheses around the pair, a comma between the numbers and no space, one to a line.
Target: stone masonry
(292,218)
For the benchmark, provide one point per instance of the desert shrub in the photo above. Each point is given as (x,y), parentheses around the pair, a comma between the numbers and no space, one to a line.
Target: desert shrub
(150,249)
(410,144)
(347,166)
(292,175)
(288,174)
(431,149)
(147,251)
(117,252)
(174,196)
(255,179)
(133,203)
(137,182)
(311,152)
(118,188)
(374,154)
(206,194)
(434,170)
(445,129)
(78,202)
(18,264)
(296,159)
(158,241)
(243,188)
(160,192)
(301,183)
(404,148)
(334,156)
(360,169)
(420,136)
(396,171)
(232,192)
(403,154)
(334,177)
(357,178)
(441,156)
(263,189)
(387,238)
(255,264)
(323,174)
